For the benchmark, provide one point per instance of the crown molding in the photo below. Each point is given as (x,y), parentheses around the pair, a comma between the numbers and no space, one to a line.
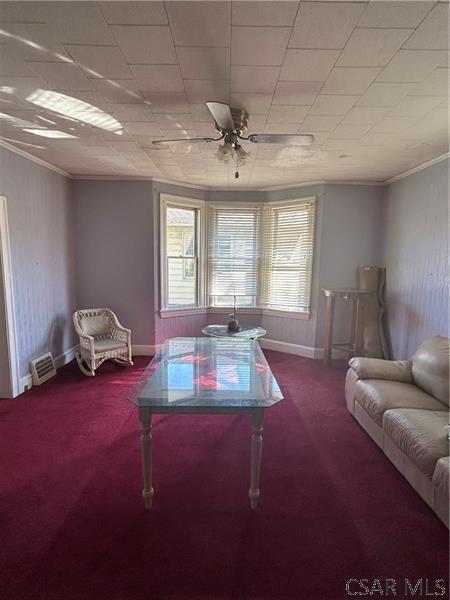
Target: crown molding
(33,158)
(193,186)
(421,167)
(112,177)
(173,182)
(320,182)
(273,188)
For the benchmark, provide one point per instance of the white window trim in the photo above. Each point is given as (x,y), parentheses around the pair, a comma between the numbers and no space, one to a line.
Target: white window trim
(203,270)
(260,310)
(171,200)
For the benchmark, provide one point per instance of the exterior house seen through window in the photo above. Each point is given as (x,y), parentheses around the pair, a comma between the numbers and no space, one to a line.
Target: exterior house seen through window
(181,256)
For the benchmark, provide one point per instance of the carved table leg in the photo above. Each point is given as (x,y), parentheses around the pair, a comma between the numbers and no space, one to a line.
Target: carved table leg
(145,416)
(257,441)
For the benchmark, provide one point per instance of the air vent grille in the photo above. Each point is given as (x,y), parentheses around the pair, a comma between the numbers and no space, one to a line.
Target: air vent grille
(42,368)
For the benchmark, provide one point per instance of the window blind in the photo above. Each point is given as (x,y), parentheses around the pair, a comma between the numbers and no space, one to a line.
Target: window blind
(287,257)
(233,259)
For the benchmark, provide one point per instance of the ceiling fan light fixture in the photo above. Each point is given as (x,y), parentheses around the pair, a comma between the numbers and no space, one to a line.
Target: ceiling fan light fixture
(241,153)
(224,152)
(232,151)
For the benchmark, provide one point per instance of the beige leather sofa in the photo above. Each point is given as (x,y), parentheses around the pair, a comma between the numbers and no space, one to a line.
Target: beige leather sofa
(403,406)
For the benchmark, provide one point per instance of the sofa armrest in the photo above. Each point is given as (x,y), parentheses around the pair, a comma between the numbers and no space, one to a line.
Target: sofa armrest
(377,368)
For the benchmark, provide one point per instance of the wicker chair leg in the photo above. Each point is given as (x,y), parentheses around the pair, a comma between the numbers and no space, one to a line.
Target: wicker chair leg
(123,362)
(88,373)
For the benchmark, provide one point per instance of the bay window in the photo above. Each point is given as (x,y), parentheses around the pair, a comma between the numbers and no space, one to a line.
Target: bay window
(260,255)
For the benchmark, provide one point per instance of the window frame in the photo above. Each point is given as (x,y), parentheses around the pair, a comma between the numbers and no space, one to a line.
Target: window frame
(173,201)
(304,314)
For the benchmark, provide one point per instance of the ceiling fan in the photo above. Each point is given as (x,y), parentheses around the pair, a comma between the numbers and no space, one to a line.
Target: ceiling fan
(231,124)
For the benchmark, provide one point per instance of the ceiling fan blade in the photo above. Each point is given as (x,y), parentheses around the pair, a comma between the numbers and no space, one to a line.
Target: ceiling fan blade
(221,114)
(281,138)
(187,140)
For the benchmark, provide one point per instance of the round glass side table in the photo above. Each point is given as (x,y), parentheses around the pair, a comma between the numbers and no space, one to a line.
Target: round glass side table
(245,333)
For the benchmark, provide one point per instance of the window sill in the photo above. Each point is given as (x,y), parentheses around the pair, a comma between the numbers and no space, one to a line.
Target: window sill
(291,314)
(181,312)
(244,310)
(248,310)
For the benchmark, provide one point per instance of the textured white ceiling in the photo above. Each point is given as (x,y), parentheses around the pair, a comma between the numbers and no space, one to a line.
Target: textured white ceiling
(368,79)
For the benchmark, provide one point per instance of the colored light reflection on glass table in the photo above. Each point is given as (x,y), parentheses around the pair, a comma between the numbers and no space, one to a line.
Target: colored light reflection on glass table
(207,372)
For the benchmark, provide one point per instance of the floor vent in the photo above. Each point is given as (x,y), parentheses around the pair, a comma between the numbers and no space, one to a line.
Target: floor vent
(42,368)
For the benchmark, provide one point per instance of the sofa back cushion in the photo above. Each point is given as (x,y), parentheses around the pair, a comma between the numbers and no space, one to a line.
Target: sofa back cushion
(430,367)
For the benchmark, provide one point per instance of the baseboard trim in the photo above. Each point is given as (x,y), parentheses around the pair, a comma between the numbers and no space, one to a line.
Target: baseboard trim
(144,349)
(66,356)
(289,348)
(26,382)
(276,345)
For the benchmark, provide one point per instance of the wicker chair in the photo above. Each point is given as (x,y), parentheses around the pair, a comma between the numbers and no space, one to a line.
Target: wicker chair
(102,338)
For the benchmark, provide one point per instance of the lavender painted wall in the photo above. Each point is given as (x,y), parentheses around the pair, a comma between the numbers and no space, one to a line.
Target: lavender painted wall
(42,247)
(417,258)
(115,252)
(350,236)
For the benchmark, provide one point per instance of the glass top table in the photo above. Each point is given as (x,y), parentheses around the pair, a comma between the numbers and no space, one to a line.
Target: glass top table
(206,376)
(246,333)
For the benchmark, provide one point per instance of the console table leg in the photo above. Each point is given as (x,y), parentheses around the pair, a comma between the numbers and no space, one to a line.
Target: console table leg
(145,416)
(257,441)
(357,342)
(328,345)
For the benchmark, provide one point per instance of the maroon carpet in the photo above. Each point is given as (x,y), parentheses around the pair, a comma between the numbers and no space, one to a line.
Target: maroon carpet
(332,506)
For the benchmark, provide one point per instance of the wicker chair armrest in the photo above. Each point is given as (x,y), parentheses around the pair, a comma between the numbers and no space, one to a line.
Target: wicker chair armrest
(85,336)
(120,333)
(125,329)
(86,341)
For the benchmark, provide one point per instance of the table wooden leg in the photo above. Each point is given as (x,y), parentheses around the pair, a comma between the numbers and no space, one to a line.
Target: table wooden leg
(257,441)
(145,416)
(328,343)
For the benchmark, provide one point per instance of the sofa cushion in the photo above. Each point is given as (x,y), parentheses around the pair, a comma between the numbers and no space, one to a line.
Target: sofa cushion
(376,396)
(420,434)
(441,474)
(108,345)
(97,325)
(430,367)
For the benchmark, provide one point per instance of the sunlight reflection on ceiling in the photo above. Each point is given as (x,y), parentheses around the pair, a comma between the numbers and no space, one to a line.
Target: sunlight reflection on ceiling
(50,133)
(75,109)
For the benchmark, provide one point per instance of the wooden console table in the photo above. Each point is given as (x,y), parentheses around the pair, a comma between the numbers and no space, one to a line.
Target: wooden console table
(353,347)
